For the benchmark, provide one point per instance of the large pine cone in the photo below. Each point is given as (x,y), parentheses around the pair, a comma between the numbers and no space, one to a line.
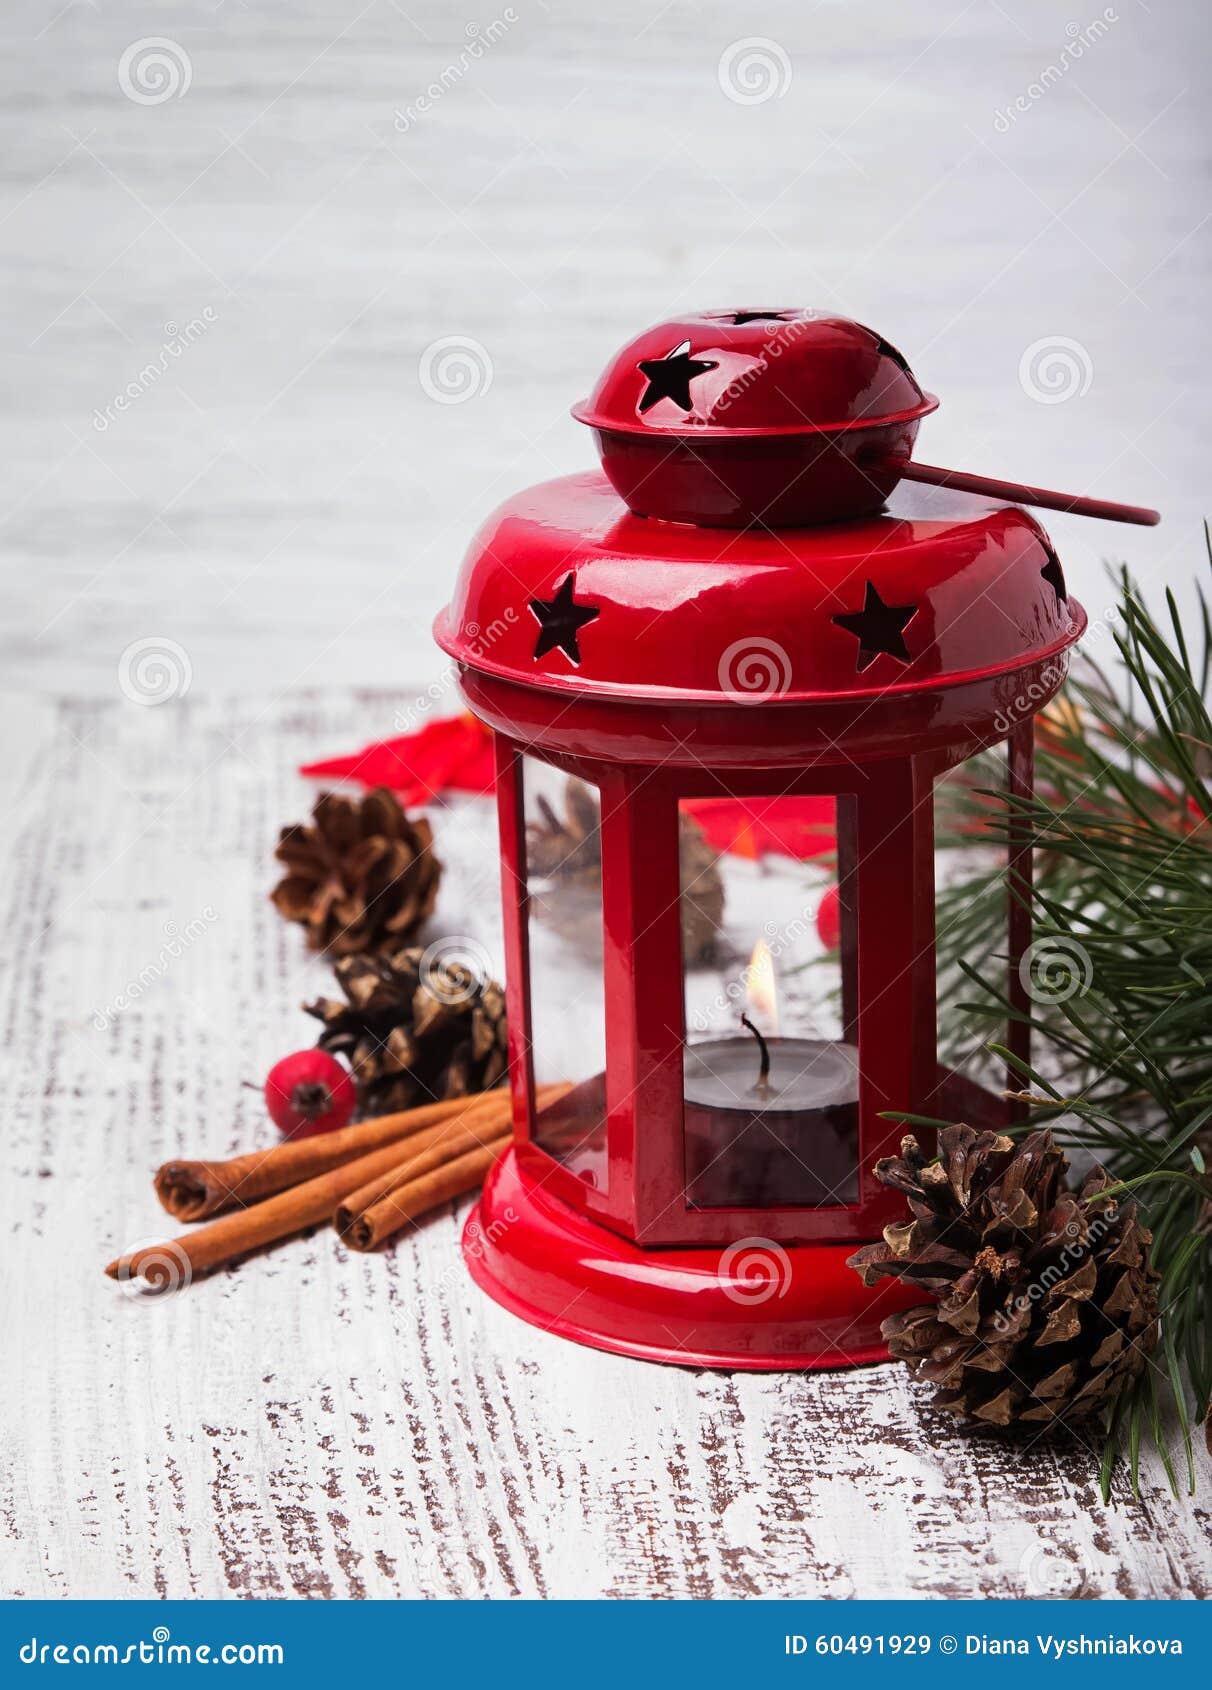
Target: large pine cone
(1047,1302)
(414,1031)
(565,853)
(361,877)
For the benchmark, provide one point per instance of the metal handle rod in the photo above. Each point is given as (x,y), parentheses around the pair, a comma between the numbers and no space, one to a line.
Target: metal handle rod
(1023,495)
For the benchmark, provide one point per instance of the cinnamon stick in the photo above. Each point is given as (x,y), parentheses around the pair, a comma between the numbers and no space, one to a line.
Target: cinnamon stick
(445,1144)
(177,1260)
(196,1190)
(416,1196)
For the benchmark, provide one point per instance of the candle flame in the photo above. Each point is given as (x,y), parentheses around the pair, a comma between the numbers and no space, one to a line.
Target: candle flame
(760,986)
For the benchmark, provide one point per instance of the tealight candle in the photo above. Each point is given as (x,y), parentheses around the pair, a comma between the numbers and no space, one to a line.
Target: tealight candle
(771,1121)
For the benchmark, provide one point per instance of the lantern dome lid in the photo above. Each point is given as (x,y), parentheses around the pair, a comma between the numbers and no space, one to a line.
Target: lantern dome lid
(564,589)
(728,374)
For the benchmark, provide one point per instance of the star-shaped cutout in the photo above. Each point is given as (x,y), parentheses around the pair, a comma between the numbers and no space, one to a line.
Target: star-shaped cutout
(560,619)
(878,628)
(670,377)
(740,318)
(1054,576)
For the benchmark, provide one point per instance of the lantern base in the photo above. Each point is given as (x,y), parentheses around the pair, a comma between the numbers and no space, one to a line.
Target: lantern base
(754,1305)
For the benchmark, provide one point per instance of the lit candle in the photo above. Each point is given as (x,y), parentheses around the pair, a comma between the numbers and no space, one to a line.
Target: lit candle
(770,1121)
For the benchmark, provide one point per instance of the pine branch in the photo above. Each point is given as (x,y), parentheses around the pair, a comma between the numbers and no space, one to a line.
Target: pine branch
(1121,824)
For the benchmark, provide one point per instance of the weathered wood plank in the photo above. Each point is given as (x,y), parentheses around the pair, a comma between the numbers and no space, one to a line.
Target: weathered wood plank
(316,1424)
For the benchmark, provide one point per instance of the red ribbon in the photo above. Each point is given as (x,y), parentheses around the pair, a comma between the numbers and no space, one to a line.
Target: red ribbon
(454,754)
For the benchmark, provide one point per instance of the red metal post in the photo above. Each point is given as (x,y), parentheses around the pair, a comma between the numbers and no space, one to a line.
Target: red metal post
(896,1012)
(511,822)
(641,888)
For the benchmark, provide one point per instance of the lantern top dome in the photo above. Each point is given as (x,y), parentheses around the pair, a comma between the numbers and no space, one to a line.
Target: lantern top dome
(567,591)
(754,373)
(775,419)
(771,418)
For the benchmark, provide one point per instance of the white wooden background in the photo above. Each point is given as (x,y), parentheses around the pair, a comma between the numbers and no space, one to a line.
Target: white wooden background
(285,506)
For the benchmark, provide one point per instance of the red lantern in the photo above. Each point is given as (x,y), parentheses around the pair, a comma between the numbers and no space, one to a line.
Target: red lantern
(695,1195)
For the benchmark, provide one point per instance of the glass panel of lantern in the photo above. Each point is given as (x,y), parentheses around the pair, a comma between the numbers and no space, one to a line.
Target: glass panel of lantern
(770,1063)
(982,929)
(971,906)
(565,944)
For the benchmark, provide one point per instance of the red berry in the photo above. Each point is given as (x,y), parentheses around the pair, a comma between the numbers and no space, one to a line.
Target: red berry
(829,919)
(309,1092)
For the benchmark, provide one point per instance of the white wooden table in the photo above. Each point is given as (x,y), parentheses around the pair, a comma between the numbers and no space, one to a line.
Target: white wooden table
(286,504)
(318,1423)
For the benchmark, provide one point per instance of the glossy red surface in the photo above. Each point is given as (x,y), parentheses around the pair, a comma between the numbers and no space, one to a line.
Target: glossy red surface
(778,420)
(792,372)
(715,743)
(706,615)
(766,481)
(751,1304)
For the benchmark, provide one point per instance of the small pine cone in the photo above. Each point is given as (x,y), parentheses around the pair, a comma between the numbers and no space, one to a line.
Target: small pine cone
(1046,1299)
(361,877)
(565,853)
(412,1033)
(702,900)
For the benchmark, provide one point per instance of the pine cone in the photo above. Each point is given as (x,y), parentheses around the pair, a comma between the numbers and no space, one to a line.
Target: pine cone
(361,877)
(1047,1302)
(413,1033)
(566,851)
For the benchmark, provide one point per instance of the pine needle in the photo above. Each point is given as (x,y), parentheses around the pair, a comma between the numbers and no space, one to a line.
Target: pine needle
(1121,823)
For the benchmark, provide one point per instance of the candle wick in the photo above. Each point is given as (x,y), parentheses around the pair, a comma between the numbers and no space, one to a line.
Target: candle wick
(763,1084)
